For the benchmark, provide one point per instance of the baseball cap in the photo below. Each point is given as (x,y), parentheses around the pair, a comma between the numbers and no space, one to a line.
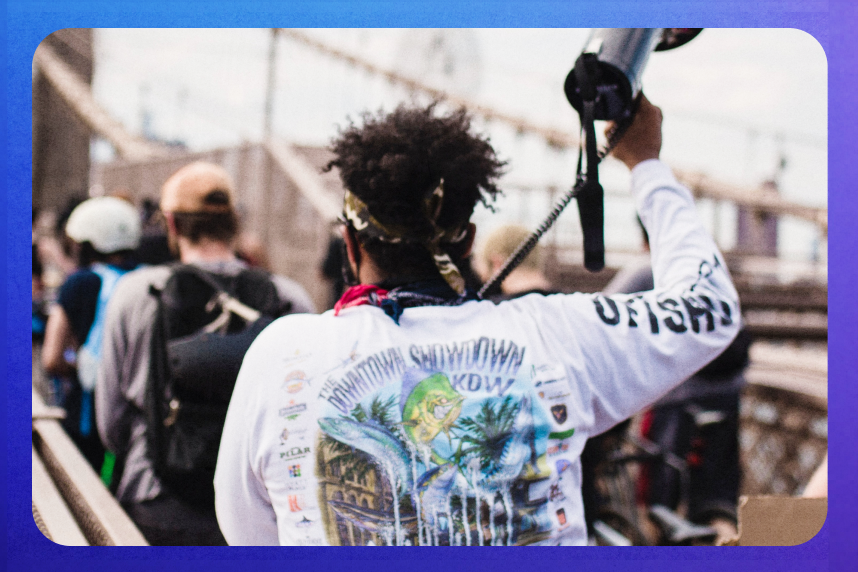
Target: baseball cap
(108,223)
(199,187)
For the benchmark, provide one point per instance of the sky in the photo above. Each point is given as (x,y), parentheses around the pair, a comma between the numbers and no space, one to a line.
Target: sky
(737,104)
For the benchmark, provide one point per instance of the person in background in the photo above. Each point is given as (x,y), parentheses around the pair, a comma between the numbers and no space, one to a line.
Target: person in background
(104,231)
(332,269)
(40,318)
(528,277)
(198,206)
(154,247)
(56,249)
(251,249)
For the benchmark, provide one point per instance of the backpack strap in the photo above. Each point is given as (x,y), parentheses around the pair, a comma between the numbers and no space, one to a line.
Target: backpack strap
(228,303)
(110,276)
(159,373)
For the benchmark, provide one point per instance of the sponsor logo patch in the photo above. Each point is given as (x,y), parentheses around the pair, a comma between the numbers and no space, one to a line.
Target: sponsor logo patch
(295,381)
(297,503)
(549,396)
(293,410)
(561,447)
(294,386)
(297,374)
(559,413)
(562,434)
(295,453)
(292,433)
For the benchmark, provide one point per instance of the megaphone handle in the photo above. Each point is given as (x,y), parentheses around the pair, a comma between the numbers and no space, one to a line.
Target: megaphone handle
(591,198)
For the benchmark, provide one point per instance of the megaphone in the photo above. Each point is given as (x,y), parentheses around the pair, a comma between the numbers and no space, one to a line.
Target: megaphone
(603,85)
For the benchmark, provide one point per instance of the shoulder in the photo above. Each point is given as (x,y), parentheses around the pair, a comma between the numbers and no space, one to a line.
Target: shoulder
(84,279)
(309,333)
(288,290)
(80,288)
(304,325)
(146,275)
(538,300)
(134,286)
(311,328)
(562,314)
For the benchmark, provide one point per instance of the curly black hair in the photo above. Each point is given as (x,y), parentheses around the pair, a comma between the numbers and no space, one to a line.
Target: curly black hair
(392,161)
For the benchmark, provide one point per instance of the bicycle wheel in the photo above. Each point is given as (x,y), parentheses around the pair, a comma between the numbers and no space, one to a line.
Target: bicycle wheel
(620,511)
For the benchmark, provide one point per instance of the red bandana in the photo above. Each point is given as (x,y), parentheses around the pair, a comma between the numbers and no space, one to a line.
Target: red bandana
(360,295)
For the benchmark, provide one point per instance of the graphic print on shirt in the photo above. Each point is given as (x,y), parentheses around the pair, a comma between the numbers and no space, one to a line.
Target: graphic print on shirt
(704,307)
(439,445)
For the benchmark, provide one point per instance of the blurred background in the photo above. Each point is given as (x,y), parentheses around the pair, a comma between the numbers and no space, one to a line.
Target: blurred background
(115,111)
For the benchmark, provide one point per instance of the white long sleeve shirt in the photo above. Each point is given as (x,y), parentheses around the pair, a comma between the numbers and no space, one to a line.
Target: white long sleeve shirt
(463,425)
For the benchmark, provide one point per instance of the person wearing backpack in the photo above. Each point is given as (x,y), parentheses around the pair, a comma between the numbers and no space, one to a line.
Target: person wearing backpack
(104,231)
(415,414)
(173,342)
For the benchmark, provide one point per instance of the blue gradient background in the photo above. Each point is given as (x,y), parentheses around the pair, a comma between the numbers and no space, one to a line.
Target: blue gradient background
(831,23)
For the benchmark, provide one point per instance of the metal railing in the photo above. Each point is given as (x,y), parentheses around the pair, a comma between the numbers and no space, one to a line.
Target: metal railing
(783,438)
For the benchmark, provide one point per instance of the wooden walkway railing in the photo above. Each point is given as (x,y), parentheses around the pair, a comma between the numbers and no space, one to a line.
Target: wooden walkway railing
(71,506)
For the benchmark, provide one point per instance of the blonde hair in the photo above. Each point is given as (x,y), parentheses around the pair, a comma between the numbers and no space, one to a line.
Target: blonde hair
(503,241)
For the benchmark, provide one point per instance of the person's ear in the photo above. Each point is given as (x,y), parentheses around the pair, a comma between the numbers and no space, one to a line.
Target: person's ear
(469,239)
(171,223)
(352,248)
(495,263)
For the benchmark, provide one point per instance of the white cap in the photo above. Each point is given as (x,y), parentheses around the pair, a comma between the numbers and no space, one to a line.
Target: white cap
(109,223)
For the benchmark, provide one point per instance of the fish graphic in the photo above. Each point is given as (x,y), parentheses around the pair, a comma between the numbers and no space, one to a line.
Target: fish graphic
(433,488)
(428,405)
(374,440)
(374,521)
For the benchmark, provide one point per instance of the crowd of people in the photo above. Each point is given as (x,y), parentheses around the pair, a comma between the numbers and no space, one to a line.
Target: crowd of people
(220,408)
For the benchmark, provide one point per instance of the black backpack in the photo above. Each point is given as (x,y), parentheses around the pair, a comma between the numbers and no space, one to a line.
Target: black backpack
(204,325)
